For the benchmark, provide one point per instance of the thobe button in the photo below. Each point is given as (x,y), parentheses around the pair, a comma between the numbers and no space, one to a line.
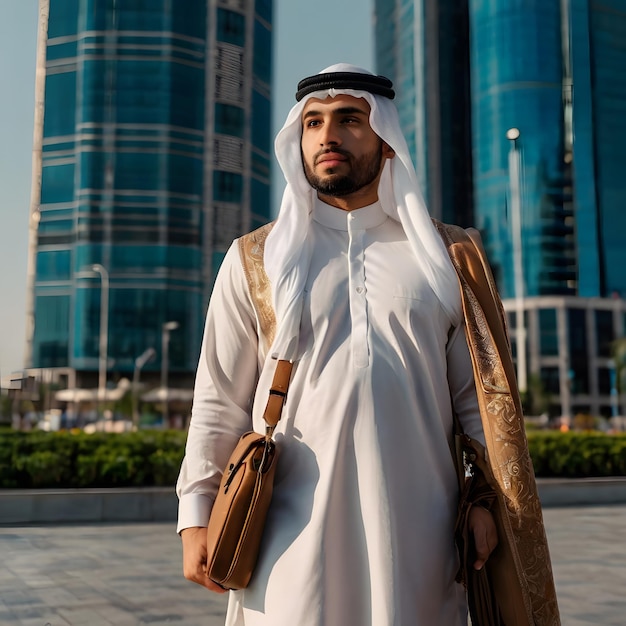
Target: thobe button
(360,289)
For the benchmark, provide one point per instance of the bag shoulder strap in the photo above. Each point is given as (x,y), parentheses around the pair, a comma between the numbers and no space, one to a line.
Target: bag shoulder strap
(278,395)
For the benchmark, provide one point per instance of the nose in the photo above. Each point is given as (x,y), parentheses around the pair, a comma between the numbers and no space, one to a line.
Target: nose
(330,135)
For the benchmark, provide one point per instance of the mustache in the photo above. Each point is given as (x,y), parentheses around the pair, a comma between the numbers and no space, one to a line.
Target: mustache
(324,151)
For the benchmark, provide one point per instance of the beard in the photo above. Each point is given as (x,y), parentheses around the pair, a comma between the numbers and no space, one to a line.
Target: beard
(363,171)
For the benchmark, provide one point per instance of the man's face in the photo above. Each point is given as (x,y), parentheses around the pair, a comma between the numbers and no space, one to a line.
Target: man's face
(341,154)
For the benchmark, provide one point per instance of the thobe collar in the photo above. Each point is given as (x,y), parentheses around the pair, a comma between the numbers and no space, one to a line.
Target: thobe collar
(359,219)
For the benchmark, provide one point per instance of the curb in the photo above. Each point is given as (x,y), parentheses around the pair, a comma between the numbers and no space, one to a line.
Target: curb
(35,506)
(159,504)
(556,492)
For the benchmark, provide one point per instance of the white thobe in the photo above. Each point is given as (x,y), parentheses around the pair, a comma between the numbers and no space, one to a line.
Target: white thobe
(360,529)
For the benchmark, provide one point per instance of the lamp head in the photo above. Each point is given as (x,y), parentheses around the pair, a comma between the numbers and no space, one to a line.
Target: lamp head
(512,134)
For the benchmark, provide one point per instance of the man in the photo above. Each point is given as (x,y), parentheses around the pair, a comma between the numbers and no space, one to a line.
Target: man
(367,305)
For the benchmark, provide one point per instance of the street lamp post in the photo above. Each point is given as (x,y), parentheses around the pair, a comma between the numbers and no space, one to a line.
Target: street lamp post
(165,349)
(104,331)
(613,371)
(140,361)
(513,135)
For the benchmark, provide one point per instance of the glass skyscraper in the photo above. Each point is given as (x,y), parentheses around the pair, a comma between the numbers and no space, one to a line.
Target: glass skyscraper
(553,70)
(155,153)
(421,45)
(598,53)
(517,76)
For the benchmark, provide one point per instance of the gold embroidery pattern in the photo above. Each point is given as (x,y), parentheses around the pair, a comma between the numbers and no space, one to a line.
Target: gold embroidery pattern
(251,249)
(506,441)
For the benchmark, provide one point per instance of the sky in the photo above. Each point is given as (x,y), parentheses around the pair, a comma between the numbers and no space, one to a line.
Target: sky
(308,36)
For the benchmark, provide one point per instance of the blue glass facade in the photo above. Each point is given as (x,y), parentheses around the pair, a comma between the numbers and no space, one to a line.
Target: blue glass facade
(422,46)
(517,82)
(395,54)
(149,168)
(554,70)
(467,71)
(598,31)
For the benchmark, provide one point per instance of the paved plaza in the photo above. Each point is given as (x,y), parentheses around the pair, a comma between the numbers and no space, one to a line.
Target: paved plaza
(123,574)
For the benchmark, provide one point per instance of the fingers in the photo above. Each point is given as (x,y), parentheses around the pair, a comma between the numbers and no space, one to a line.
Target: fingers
(485,535)
(194,558)
(195,571)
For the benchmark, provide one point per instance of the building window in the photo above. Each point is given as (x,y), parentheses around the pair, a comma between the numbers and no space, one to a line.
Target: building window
(579,358)
(63,18)
(264,9)
(60,119)
(57,184)
(262,61)
(231,27)
(52,315)
(226,226)
(548,336)
(229,119)
(604,332)
(604,381)
(261,130)
(53,265)
(550,380)
(227,187)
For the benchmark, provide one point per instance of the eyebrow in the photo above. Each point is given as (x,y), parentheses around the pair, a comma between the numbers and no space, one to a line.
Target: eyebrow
(340,111)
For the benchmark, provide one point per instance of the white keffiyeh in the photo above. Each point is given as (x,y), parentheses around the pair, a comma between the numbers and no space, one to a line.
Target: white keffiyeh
(287,250)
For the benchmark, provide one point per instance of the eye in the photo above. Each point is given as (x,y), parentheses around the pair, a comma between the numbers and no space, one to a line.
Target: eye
(312,123)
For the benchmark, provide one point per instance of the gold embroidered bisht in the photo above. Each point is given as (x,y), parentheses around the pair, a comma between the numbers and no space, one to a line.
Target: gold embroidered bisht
(519,571)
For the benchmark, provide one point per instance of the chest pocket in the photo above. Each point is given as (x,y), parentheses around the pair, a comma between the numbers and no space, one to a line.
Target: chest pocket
(416,303)
(407,292)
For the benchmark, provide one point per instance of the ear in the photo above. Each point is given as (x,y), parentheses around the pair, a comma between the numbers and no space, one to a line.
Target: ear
(388,152)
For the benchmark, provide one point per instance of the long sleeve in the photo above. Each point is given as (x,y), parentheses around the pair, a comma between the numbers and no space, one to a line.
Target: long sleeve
(225,382)
(462,384)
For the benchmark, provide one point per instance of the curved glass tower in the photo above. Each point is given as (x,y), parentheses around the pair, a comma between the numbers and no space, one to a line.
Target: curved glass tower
(554,72)
(154,156)
(517,82)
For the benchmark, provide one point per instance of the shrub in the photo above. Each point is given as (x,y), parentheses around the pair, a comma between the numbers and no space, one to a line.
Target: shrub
(165,465)
(66,460)
(45,468)
(577,455)
(152,458)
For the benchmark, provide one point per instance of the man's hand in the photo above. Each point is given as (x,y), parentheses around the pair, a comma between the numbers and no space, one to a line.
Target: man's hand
(194,558)
(485,534)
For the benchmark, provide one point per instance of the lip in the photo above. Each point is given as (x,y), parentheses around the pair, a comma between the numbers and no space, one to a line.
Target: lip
(331,159)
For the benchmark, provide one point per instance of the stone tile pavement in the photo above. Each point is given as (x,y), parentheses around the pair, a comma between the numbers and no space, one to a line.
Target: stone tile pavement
(98,575)
(130,574)
(588,549)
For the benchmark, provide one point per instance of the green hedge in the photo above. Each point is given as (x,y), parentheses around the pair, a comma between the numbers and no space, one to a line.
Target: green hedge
(65,460)
(577,454)
(151,458)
